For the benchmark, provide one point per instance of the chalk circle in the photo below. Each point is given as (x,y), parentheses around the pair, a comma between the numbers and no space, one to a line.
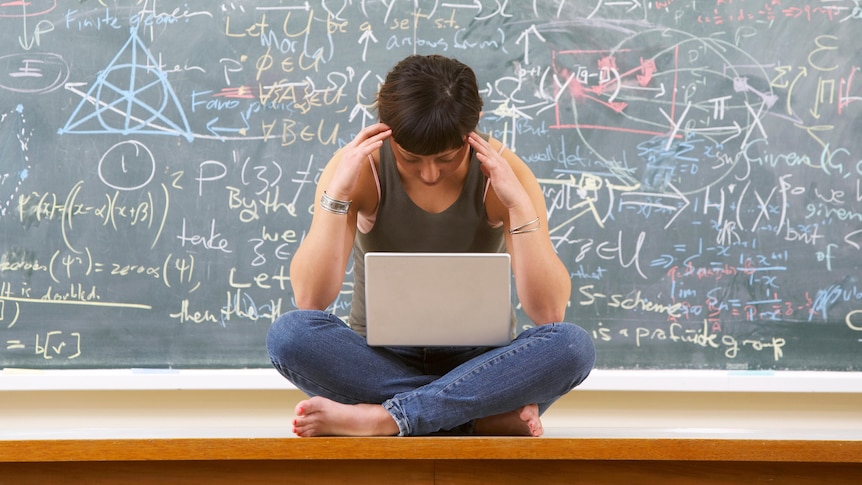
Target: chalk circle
(857,314)
(128,165)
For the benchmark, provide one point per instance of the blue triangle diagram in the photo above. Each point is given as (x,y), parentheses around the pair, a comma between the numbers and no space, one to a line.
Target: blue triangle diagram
(131,95)
(14,163)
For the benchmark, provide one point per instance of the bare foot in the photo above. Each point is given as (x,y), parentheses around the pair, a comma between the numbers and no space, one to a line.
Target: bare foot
(520,422)
(319,416)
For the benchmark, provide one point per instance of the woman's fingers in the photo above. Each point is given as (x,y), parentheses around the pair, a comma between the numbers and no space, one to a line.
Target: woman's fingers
(353,155)
(372,134)
(503,179)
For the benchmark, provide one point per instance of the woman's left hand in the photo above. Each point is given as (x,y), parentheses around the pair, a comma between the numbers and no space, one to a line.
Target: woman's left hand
(506,184)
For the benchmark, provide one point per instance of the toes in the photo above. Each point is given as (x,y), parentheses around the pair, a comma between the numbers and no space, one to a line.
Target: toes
(536,429)
(301,408)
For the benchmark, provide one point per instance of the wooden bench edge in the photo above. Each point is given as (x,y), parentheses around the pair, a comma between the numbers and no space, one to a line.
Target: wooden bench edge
(432,448)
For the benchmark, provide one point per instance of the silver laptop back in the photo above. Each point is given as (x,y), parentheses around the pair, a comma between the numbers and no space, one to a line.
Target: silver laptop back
(438,299)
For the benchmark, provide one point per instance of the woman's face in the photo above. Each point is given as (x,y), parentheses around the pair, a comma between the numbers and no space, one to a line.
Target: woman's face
(429,169)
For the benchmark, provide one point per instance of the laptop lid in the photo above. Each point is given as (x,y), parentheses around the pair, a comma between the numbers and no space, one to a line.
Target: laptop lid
(438,299)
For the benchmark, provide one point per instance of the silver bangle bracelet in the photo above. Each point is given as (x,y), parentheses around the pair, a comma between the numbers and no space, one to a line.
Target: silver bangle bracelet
(335,206)
(522,229)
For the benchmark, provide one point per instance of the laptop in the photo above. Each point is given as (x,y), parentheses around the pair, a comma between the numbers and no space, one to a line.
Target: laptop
(438,299)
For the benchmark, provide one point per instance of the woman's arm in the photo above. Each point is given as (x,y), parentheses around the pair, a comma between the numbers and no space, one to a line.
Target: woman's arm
(541,279)
(318,267)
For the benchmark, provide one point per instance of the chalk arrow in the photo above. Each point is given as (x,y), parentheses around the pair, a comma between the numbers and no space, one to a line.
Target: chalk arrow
(25,43)
(365,37)
(526,36)
(803,72)
(359,108)
(740,84)
(734,131)
(677,196)
(218,130)
(634,4)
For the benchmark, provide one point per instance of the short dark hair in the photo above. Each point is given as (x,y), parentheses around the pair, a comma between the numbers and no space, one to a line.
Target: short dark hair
(431,103)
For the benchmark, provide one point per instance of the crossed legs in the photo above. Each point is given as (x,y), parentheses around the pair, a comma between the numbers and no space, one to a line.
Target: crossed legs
(369,391)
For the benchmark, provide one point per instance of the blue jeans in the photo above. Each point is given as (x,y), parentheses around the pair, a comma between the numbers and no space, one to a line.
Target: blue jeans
(431,389)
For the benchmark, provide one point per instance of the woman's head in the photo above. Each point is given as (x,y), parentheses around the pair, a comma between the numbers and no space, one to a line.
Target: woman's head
(431,103)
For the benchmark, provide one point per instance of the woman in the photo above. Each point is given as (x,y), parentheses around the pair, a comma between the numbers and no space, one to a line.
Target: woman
(422,180)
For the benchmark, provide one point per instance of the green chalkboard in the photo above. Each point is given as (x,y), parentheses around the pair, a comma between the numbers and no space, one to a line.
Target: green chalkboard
(701,161)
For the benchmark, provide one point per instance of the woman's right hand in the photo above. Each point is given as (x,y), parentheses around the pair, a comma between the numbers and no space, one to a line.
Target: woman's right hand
(351,159)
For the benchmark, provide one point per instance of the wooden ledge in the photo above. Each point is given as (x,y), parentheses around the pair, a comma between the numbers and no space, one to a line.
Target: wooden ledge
(432,448)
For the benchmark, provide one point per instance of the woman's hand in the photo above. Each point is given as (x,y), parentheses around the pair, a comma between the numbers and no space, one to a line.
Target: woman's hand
(351,159)
(506,184)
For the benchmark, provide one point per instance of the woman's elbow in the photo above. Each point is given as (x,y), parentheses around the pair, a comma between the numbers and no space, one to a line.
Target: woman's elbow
(549,314)
(309,300)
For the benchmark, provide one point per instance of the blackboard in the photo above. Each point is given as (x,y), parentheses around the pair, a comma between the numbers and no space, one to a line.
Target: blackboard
(701,163)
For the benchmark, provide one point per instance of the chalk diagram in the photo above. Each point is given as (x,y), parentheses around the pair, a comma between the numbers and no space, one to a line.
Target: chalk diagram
(14,162)
(651,86)
(130,96)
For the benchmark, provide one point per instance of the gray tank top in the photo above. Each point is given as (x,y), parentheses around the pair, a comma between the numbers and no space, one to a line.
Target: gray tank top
(402,226)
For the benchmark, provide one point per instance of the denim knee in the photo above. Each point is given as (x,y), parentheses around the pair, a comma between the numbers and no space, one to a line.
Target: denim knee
(278,337)
(284,335)
(576,351)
